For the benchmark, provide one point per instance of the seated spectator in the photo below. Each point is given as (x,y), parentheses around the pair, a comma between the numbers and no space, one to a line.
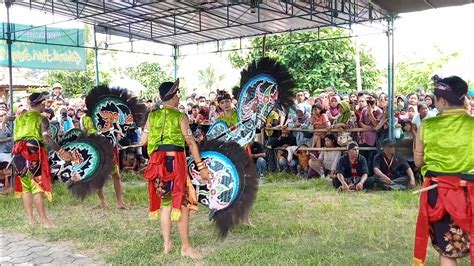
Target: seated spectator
(130,162)
(391,171)
(303,161)
(286,161)
(258,154)
(352,171)
(325,164)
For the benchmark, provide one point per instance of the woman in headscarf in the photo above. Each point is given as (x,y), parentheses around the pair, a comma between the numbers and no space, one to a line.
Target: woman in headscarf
(429,100)
(333,110)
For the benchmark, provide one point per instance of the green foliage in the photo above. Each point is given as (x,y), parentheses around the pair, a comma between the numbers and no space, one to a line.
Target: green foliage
(410,75)
(297,222)
(151,75)
(209,78)
(316,64)
(78,83)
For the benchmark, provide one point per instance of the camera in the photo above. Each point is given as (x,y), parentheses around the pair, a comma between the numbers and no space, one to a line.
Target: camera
(64,114)
(371,102)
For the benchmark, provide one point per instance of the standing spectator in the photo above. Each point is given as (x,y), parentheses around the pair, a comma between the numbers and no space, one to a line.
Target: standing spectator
(258,154)
(71,112)
(65,121)
(412,111)
(370,118)
(412,99)
(5,148)
(423,113)
(353,101)
(204,107)
(79,113)
(391,171)
(319,120)
(57,94)
(182,109)
(196,117)
(301,120)
(430,101)
(333,110)
(352,171)
(471,101)
(149,104)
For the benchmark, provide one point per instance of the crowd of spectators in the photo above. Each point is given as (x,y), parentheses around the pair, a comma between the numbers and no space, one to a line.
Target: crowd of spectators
(352,121)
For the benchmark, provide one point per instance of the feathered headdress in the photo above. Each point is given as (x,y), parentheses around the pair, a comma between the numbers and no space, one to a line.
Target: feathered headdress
(239,209)
(264,84)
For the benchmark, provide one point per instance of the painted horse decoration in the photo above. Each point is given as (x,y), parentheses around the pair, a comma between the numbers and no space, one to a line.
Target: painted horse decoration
(114,111)
(264,85)
(230,194)
(90,168)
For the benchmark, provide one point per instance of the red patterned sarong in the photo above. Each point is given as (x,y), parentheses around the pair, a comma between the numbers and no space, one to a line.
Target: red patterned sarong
(456,198)
(33,155)
(157,169)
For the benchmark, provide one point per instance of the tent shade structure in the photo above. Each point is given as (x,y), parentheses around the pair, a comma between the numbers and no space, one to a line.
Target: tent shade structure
(180,23)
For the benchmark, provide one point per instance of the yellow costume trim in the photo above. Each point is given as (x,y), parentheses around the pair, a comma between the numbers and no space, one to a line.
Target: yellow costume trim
(154,215)
(49,196)
(175,215)
(417,262)
(18,195)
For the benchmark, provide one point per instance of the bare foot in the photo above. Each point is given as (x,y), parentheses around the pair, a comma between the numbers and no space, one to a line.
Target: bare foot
(32,221)
(191,253)
(122,206)
(167,249)
(47,224)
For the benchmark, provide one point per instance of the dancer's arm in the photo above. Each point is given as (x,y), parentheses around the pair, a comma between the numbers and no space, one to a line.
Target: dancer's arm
(146,130)
(46,132)
(193,147)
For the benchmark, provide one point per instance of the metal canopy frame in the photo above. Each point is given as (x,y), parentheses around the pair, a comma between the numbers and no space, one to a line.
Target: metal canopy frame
(178,23)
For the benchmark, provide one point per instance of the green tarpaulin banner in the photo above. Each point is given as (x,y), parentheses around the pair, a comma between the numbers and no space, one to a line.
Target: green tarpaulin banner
(44,47)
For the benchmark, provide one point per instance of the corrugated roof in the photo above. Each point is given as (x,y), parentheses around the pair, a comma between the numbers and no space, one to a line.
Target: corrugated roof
(188,22)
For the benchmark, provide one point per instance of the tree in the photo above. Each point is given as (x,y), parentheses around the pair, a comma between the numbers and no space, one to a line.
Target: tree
(208,77)
(316,64)
(410,75)
(151,75)
(78,83)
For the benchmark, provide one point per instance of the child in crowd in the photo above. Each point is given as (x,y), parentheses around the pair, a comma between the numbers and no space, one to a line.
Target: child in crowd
(319,120)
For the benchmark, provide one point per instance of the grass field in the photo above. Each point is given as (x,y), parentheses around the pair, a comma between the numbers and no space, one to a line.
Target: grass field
(297,222)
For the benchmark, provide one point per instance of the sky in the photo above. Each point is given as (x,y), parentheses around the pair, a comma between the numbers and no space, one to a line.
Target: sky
(416,36)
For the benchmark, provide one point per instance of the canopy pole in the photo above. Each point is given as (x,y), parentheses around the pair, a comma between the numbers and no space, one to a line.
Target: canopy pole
(390,75)
(8,4)
(175,61)
(96,52)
